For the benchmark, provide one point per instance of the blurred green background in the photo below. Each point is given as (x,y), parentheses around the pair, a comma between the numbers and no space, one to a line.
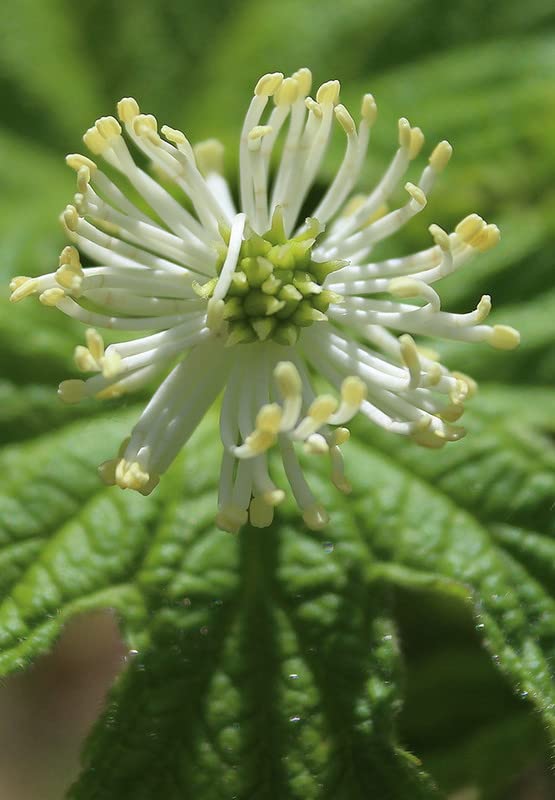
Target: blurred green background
(481,74)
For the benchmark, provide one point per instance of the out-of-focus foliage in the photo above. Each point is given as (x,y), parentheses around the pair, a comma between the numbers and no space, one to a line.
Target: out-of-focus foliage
(270,666)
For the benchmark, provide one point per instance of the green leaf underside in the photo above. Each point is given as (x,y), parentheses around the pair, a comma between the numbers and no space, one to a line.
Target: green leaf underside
(268,665)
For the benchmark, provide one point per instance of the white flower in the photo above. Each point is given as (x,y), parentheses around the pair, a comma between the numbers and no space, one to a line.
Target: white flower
(256,302)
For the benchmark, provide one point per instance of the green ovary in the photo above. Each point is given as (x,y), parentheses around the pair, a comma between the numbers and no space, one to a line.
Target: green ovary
(276,288)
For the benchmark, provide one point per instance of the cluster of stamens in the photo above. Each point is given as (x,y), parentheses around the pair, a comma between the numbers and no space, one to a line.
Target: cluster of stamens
(301,296)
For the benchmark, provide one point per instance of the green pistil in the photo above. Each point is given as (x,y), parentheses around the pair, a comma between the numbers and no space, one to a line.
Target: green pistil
(276,288)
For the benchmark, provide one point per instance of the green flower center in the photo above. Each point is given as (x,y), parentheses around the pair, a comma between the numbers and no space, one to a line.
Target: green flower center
(276,288)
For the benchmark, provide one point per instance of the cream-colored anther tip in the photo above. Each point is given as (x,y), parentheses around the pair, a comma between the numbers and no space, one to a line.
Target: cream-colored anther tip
(71,217)
(369,109)
(315,517)
(268,84)
(503,337)
(404,133)
(345,119)
(286,94)
(440,237)
(353,390)
(303,77)
(441,156)
(72,391)
(416,194)
(76,161)
(287,378)
(108,127)
(328,92)
(128,109)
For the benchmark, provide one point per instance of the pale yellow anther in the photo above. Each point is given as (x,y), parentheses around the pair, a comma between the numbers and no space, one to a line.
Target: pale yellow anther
(258,132)
(459,392)
(269,418)
(256,443)
(315,517)
(268,84)
(84,360)
(209,156)
(24,288)
(451,413)
(469,227)
(416,193)
(471,384)
(70,256)
(483,308)
(434,373)
(111,364)
(322,408)
(95,343)
(423,423)
(428,439)
(440,237)
(274,496)
(130,475)
(409,355)
(441,156)
(404,133)
(288,379)
(71,217)
(341,435)
(70,277)
(313,107)
(76,161)
(303,77)
(404,287)
(83,179)
(328,93)
(18,281)
(108,127)
(110,392)
(173,135)
(353,391)
(487,238)
(345,119)
(51,297)
(369,109)
(316,445)
(503,337)
(261,513)
(231,518)
(128,109)
(96,143)
(145,125)
(72,391)
(416,142)
(287,93)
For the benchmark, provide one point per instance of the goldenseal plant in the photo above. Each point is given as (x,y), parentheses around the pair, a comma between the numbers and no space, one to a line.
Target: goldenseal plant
(256,301)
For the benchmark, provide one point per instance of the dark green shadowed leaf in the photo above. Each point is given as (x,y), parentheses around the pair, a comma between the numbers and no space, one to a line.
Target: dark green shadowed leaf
(272,670)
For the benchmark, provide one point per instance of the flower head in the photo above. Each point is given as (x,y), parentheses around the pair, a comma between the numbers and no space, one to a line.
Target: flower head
(256,302)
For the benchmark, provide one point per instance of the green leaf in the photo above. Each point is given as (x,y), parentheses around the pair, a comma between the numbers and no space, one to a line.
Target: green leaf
(271,673)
